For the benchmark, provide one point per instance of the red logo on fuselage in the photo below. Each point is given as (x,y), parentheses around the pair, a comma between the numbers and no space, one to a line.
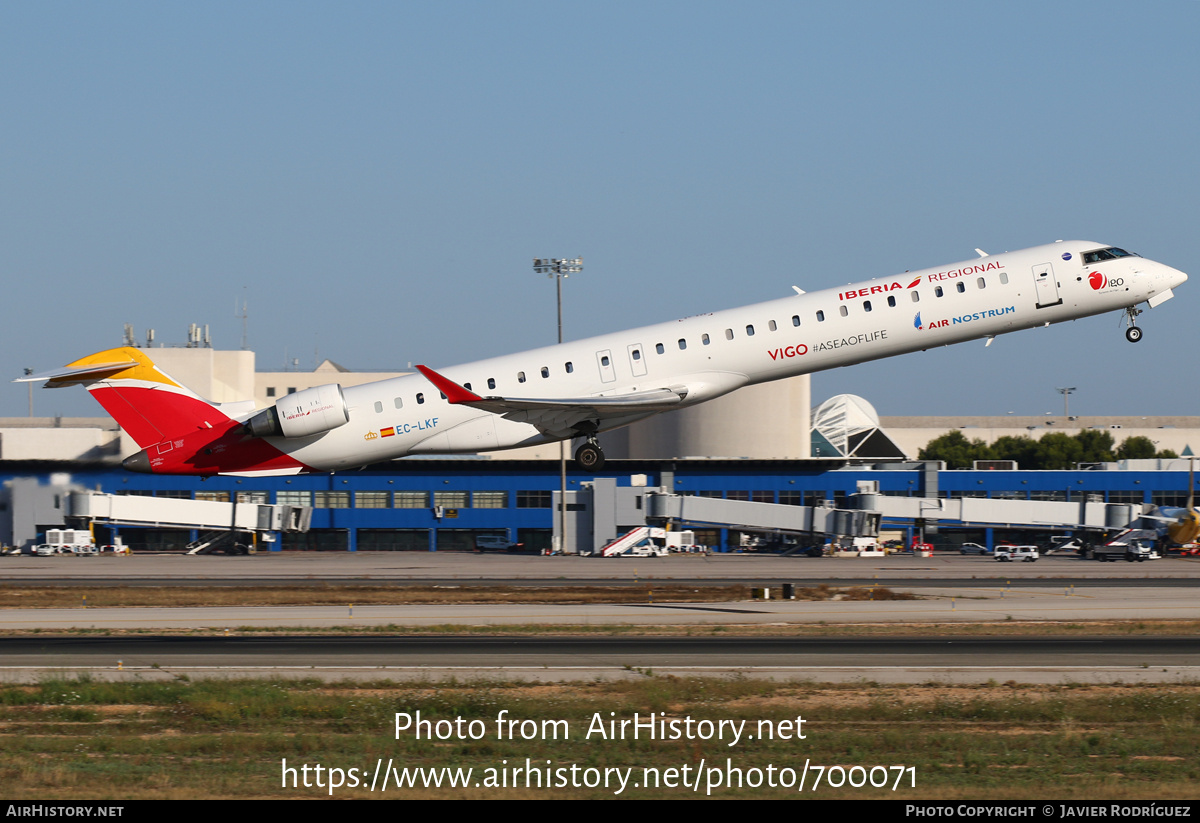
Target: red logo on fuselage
(789,351)
(850,295)
(1097,280)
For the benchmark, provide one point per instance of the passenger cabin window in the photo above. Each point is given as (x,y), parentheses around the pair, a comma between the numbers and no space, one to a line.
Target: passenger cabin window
(398,402)
(962,287)
(378,407)
(916,296)
(705,339)
(545,372)
(937,292)
(843,311)
(420,398)
(795,320)
(569,366)
(603,362)
(658,347)
(982,283)
(729,334)
(892,301)
(866,305)
(820,316)
(771,325)
(520,377)
(1004,278)
(682,344)
(637,354)
(491,382)
(466,386)
(749,331)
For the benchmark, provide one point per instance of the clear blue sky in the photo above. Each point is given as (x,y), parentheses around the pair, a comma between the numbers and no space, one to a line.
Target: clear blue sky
(375,178)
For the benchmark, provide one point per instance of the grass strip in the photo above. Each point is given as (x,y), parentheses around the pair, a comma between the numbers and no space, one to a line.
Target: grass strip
(82,739)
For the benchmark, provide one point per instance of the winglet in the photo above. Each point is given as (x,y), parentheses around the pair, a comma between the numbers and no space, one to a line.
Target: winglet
(454,392)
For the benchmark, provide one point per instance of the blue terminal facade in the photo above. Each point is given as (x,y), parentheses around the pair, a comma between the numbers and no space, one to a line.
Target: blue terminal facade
(443,504)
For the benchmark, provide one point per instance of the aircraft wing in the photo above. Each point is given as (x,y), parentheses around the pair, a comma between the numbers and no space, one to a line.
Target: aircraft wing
(557,414)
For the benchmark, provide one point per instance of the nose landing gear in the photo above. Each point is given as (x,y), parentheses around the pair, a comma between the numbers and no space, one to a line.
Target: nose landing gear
(1133,333)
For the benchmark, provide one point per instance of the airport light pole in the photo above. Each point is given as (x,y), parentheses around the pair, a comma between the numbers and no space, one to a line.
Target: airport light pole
(559,268)
(1066,393)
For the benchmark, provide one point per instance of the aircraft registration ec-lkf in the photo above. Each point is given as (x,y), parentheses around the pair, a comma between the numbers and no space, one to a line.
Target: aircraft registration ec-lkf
(575,390)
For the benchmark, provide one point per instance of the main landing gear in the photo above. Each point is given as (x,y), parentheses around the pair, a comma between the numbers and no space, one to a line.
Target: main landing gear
(1133,333)
(589,456)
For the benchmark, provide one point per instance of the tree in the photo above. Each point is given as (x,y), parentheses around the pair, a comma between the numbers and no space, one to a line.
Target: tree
(1136,448)
(1097,446)
(954,448)
(1060,450)
(1024,450)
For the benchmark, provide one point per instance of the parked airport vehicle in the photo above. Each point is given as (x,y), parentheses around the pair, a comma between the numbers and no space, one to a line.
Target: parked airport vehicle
(575,390)
(973,548)
(1131,545)
(1008,554)
(1068,544)
(495,543)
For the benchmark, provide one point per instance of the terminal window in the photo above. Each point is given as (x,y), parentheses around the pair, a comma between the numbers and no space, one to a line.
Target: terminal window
(452,499)
(412,500)
(331,500)
(372,500)
(534,499)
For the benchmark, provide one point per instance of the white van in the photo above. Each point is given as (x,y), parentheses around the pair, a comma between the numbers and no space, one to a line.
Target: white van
(1007,554)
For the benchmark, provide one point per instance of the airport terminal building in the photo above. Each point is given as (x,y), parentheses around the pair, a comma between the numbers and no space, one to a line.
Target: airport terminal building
(763,444)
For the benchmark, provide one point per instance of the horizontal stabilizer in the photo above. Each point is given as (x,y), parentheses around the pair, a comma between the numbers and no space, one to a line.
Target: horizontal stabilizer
(81,374)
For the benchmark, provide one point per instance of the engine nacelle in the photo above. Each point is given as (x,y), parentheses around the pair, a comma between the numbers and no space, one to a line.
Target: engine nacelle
(302,413)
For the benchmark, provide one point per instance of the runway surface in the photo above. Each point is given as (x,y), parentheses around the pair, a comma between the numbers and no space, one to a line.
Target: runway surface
(494,569)
(896,659)
(953,589)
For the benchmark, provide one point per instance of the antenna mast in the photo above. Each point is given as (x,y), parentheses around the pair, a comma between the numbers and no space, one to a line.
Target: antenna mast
(243,315)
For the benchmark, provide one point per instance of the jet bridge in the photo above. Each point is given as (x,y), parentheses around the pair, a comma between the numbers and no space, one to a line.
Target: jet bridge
(601,511)
(205,515)
(978,511)
(713,511)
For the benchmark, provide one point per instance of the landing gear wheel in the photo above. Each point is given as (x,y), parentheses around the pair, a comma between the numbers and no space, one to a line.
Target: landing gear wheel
(589,457)
(1133,334)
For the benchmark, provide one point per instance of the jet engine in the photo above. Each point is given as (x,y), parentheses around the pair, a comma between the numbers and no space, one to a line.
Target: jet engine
(302,413)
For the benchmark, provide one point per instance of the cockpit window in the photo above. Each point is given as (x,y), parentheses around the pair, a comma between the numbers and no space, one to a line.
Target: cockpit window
(1111,253)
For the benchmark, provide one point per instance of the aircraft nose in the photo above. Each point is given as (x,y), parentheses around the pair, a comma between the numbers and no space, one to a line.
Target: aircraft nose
(1173,277)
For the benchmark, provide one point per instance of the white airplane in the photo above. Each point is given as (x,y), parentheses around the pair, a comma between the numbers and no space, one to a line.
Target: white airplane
(575,390)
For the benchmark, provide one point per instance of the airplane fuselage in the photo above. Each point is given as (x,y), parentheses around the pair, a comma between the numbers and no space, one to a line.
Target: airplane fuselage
(708,355)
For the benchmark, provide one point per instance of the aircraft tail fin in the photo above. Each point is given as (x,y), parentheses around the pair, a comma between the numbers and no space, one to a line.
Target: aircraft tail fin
(147,403)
